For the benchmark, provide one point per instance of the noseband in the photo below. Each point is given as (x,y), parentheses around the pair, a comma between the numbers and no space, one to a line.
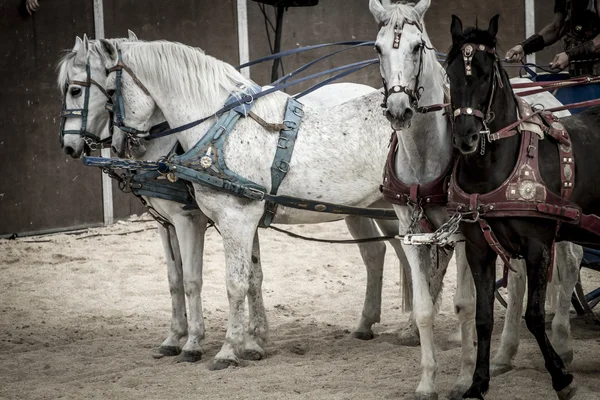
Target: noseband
(413,94)
(468,51)
(91,140)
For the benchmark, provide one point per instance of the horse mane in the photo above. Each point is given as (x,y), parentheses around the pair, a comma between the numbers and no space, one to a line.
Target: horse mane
(400,12)
(67,60)
(183,70)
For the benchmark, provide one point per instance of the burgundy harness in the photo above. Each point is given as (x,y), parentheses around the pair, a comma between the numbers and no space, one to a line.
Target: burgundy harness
(523,193)
(417,195)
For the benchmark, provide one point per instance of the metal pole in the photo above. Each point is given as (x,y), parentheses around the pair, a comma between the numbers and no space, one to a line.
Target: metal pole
(530,25)
(244,47)
(107,192)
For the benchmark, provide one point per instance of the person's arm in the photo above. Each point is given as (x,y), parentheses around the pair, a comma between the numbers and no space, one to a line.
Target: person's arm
(585,50)
(549,35)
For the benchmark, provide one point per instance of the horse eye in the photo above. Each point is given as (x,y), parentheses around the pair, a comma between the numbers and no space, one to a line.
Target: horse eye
(111,92)
(75,92)
(417,48)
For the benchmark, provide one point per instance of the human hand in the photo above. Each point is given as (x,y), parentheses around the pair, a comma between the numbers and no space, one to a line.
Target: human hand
(560,62)
(31,6)
(515,54)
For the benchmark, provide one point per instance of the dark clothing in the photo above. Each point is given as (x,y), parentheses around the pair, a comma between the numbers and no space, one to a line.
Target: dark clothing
(582,24)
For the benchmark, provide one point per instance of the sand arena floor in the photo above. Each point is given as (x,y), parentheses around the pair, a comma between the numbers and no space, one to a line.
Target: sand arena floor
(82,316)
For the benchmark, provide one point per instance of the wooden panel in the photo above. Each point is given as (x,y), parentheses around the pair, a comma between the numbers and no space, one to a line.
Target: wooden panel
(40,187)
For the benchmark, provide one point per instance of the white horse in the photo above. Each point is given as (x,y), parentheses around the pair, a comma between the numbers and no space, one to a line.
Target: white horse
(424,150)
(189,226)
(338,157)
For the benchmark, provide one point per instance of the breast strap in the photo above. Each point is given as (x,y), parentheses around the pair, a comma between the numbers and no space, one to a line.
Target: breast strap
(524,193)
(397,192)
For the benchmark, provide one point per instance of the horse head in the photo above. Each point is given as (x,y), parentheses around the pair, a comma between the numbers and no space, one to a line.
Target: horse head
(475,79)
(401,44)
(82,80)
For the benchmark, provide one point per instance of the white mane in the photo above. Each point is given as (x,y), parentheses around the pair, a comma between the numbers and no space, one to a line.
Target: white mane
(182,70)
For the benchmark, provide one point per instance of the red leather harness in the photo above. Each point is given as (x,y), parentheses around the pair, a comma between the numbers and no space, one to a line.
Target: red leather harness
(523,193)
(421,195)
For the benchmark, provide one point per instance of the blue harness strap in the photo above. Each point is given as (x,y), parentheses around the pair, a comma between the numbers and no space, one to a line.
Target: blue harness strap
(154,184)
(283,155)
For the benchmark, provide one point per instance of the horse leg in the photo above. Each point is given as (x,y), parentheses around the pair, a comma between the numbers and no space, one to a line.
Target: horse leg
(408,334)
(190,233)
(373,255)
(509,341)
(419,258)
(568,258)
(258,327)
(482,261)
(238,228)
(538,261)
(464,305)
(178,329)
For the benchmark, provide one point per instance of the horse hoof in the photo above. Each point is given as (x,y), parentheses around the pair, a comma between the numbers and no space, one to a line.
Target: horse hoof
(253,355)
(473,393)
(425,396)
(189,356)
(499,369)
(363,335)
(409,339)
(169,351)
(567,393)
(218,365)
(567,358)
(457,392)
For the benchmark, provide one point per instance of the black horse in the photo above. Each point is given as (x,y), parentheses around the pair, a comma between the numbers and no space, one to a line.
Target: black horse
(479,83)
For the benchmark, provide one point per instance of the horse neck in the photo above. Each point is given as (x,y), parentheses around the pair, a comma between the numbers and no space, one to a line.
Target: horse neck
(425,149)
(483,173)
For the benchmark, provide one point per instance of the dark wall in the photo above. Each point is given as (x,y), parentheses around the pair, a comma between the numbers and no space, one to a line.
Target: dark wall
(40,188)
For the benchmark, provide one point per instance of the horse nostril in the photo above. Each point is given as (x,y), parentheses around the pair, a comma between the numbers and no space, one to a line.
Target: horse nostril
(474,137)
(388,115)
(408,114)
(69,150)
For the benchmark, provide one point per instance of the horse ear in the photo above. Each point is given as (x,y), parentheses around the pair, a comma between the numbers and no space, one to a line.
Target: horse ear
(132,36)
(456,29)
(82,51)
(78,42)
(493,28)
(109,50)
(377,10)
(421,7)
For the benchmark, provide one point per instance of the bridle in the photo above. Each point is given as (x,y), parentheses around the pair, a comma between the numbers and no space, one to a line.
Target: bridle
(486,116)
(91,140)
(118,107)
(413,94)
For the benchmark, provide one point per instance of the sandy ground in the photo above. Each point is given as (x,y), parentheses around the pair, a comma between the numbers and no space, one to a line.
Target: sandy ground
(81,318)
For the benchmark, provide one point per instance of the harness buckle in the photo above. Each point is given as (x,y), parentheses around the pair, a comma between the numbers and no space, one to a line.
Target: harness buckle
(298,111)
(491,137)
(254,194)
(284,166)
(282,142)
(290,125)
